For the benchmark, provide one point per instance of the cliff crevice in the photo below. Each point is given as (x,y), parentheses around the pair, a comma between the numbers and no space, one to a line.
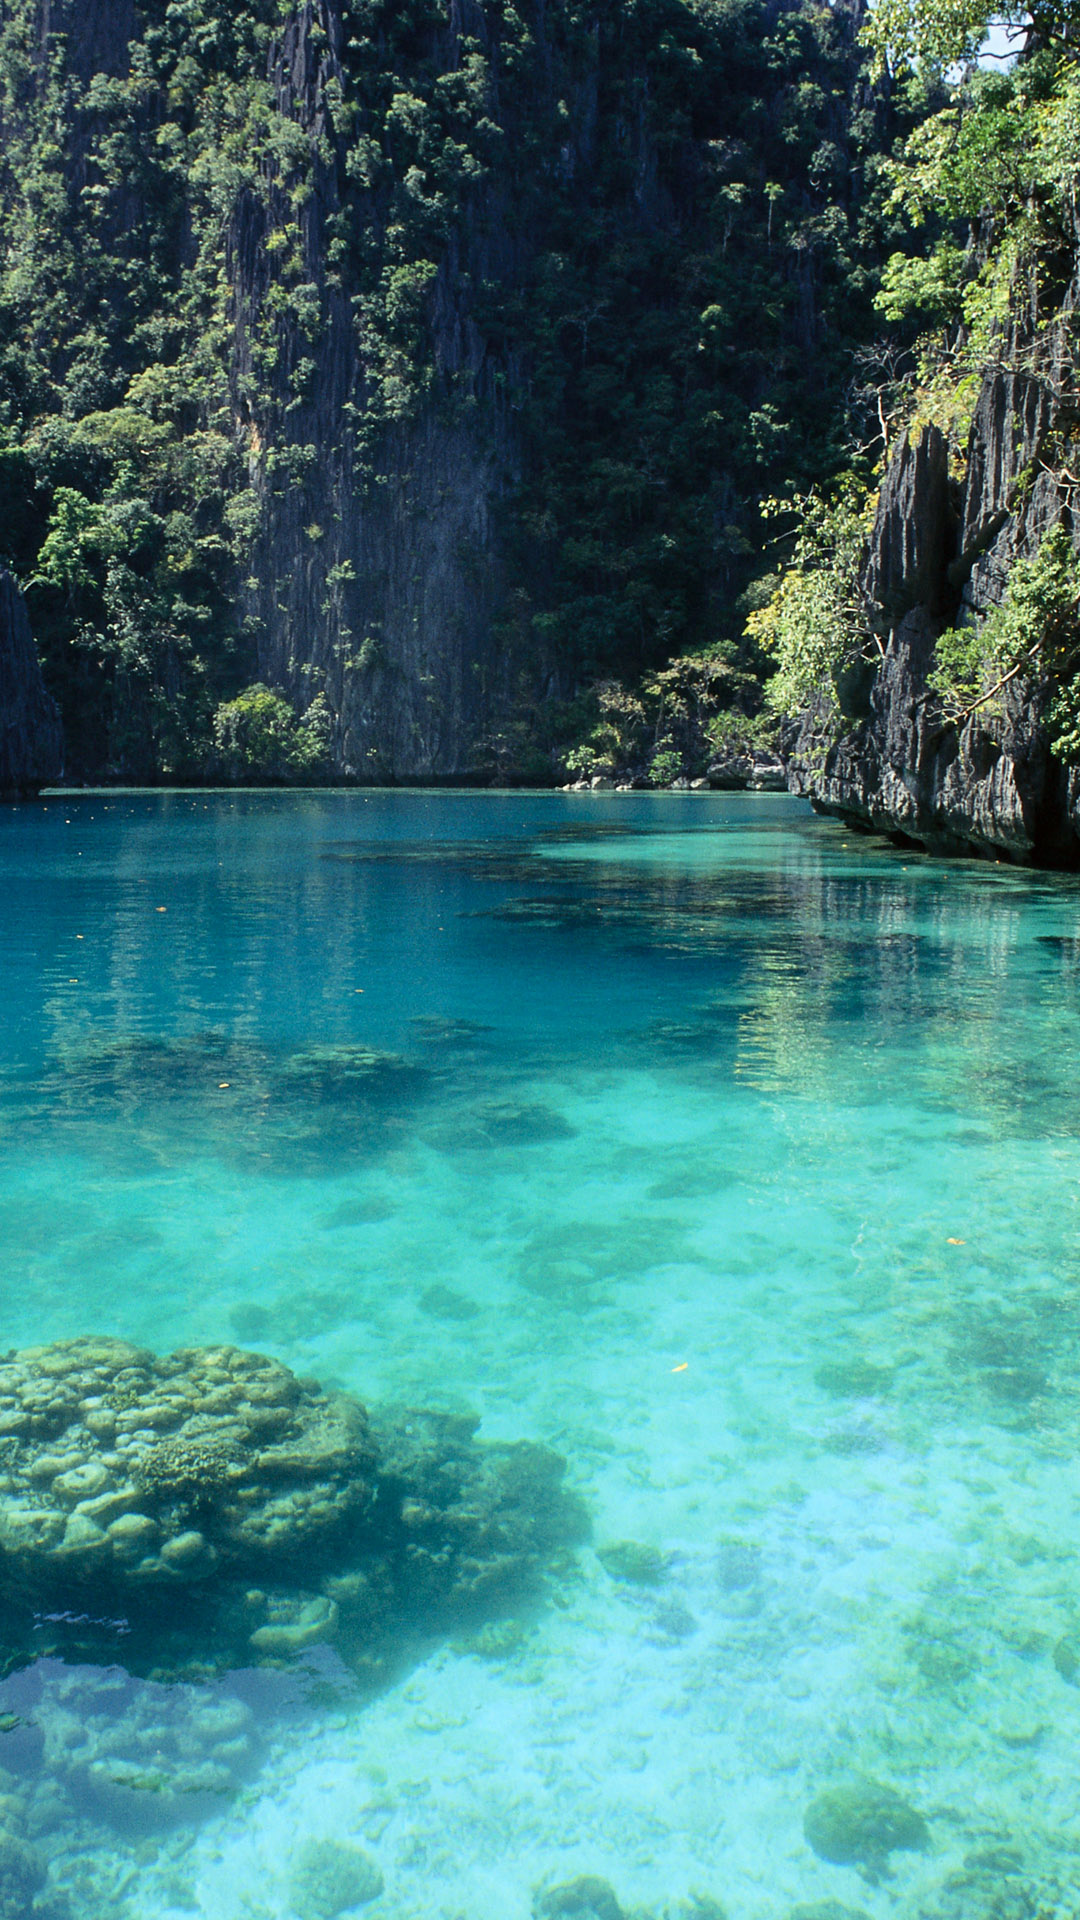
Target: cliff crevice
(31,742)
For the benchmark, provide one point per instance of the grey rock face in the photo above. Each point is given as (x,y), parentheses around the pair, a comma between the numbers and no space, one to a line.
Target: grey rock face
(990,783)
(376,576)
(31,743)
(909,546)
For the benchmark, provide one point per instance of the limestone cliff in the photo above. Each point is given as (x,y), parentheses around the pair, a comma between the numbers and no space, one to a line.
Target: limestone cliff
(940,552)
(374,577)
(31,744)
(425,364)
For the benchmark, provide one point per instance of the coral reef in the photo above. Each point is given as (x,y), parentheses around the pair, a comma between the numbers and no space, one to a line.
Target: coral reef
(860,1824)
(209,1507)
(140,1756)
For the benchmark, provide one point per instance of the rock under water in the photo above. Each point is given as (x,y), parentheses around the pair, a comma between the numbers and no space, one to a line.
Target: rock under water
(860,1824)
(209,1508)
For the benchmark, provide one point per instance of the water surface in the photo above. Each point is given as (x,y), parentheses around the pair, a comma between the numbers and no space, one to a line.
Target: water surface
(737,1159)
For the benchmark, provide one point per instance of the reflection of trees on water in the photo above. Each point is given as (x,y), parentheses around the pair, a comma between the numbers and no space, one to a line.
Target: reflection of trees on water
(877,992)
(934,986)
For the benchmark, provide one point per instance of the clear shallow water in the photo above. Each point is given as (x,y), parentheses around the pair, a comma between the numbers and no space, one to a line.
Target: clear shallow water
(709,1086)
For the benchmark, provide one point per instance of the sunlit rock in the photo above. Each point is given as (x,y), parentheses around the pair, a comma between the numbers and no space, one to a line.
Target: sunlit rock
(207,1506)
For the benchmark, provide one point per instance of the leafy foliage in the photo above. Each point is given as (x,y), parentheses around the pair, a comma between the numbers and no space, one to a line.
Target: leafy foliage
(634,240)
(1002,158)
(936,35)
(259,739)
(814,627)
(1035,630)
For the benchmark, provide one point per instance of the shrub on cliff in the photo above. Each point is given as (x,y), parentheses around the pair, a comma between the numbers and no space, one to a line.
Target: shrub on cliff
(258,737)
(1035,632)
(814,627)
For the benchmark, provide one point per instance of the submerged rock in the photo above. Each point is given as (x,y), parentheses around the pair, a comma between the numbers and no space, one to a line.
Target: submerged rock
(631,1560)
(1066,1658)
(854,1377)
(140,1756)
(442,1303)
(993,1885)
(22,1874)
(586,1898)
(825,1910)
(500,1124)
(331,1878)
(257,1104)
(209,1506)
(347,1073)
(859,1825)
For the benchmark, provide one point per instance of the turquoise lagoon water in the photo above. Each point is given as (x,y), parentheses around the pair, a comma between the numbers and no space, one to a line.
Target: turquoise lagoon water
(747,1176)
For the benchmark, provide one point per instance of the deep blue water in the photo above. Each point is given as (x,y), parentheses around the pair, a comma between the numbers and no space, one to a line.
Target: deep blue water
(743,1169)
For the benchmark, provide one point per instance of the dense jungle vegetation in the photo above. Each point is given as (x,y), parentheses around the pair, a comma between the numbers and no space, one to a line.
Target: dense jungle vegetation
(988,283)
(691,214)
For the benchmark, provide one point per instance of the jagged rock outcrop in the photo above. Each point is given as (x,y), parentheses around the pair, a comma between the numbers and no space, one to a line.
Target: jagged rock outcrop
(939,551)
(31,742)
